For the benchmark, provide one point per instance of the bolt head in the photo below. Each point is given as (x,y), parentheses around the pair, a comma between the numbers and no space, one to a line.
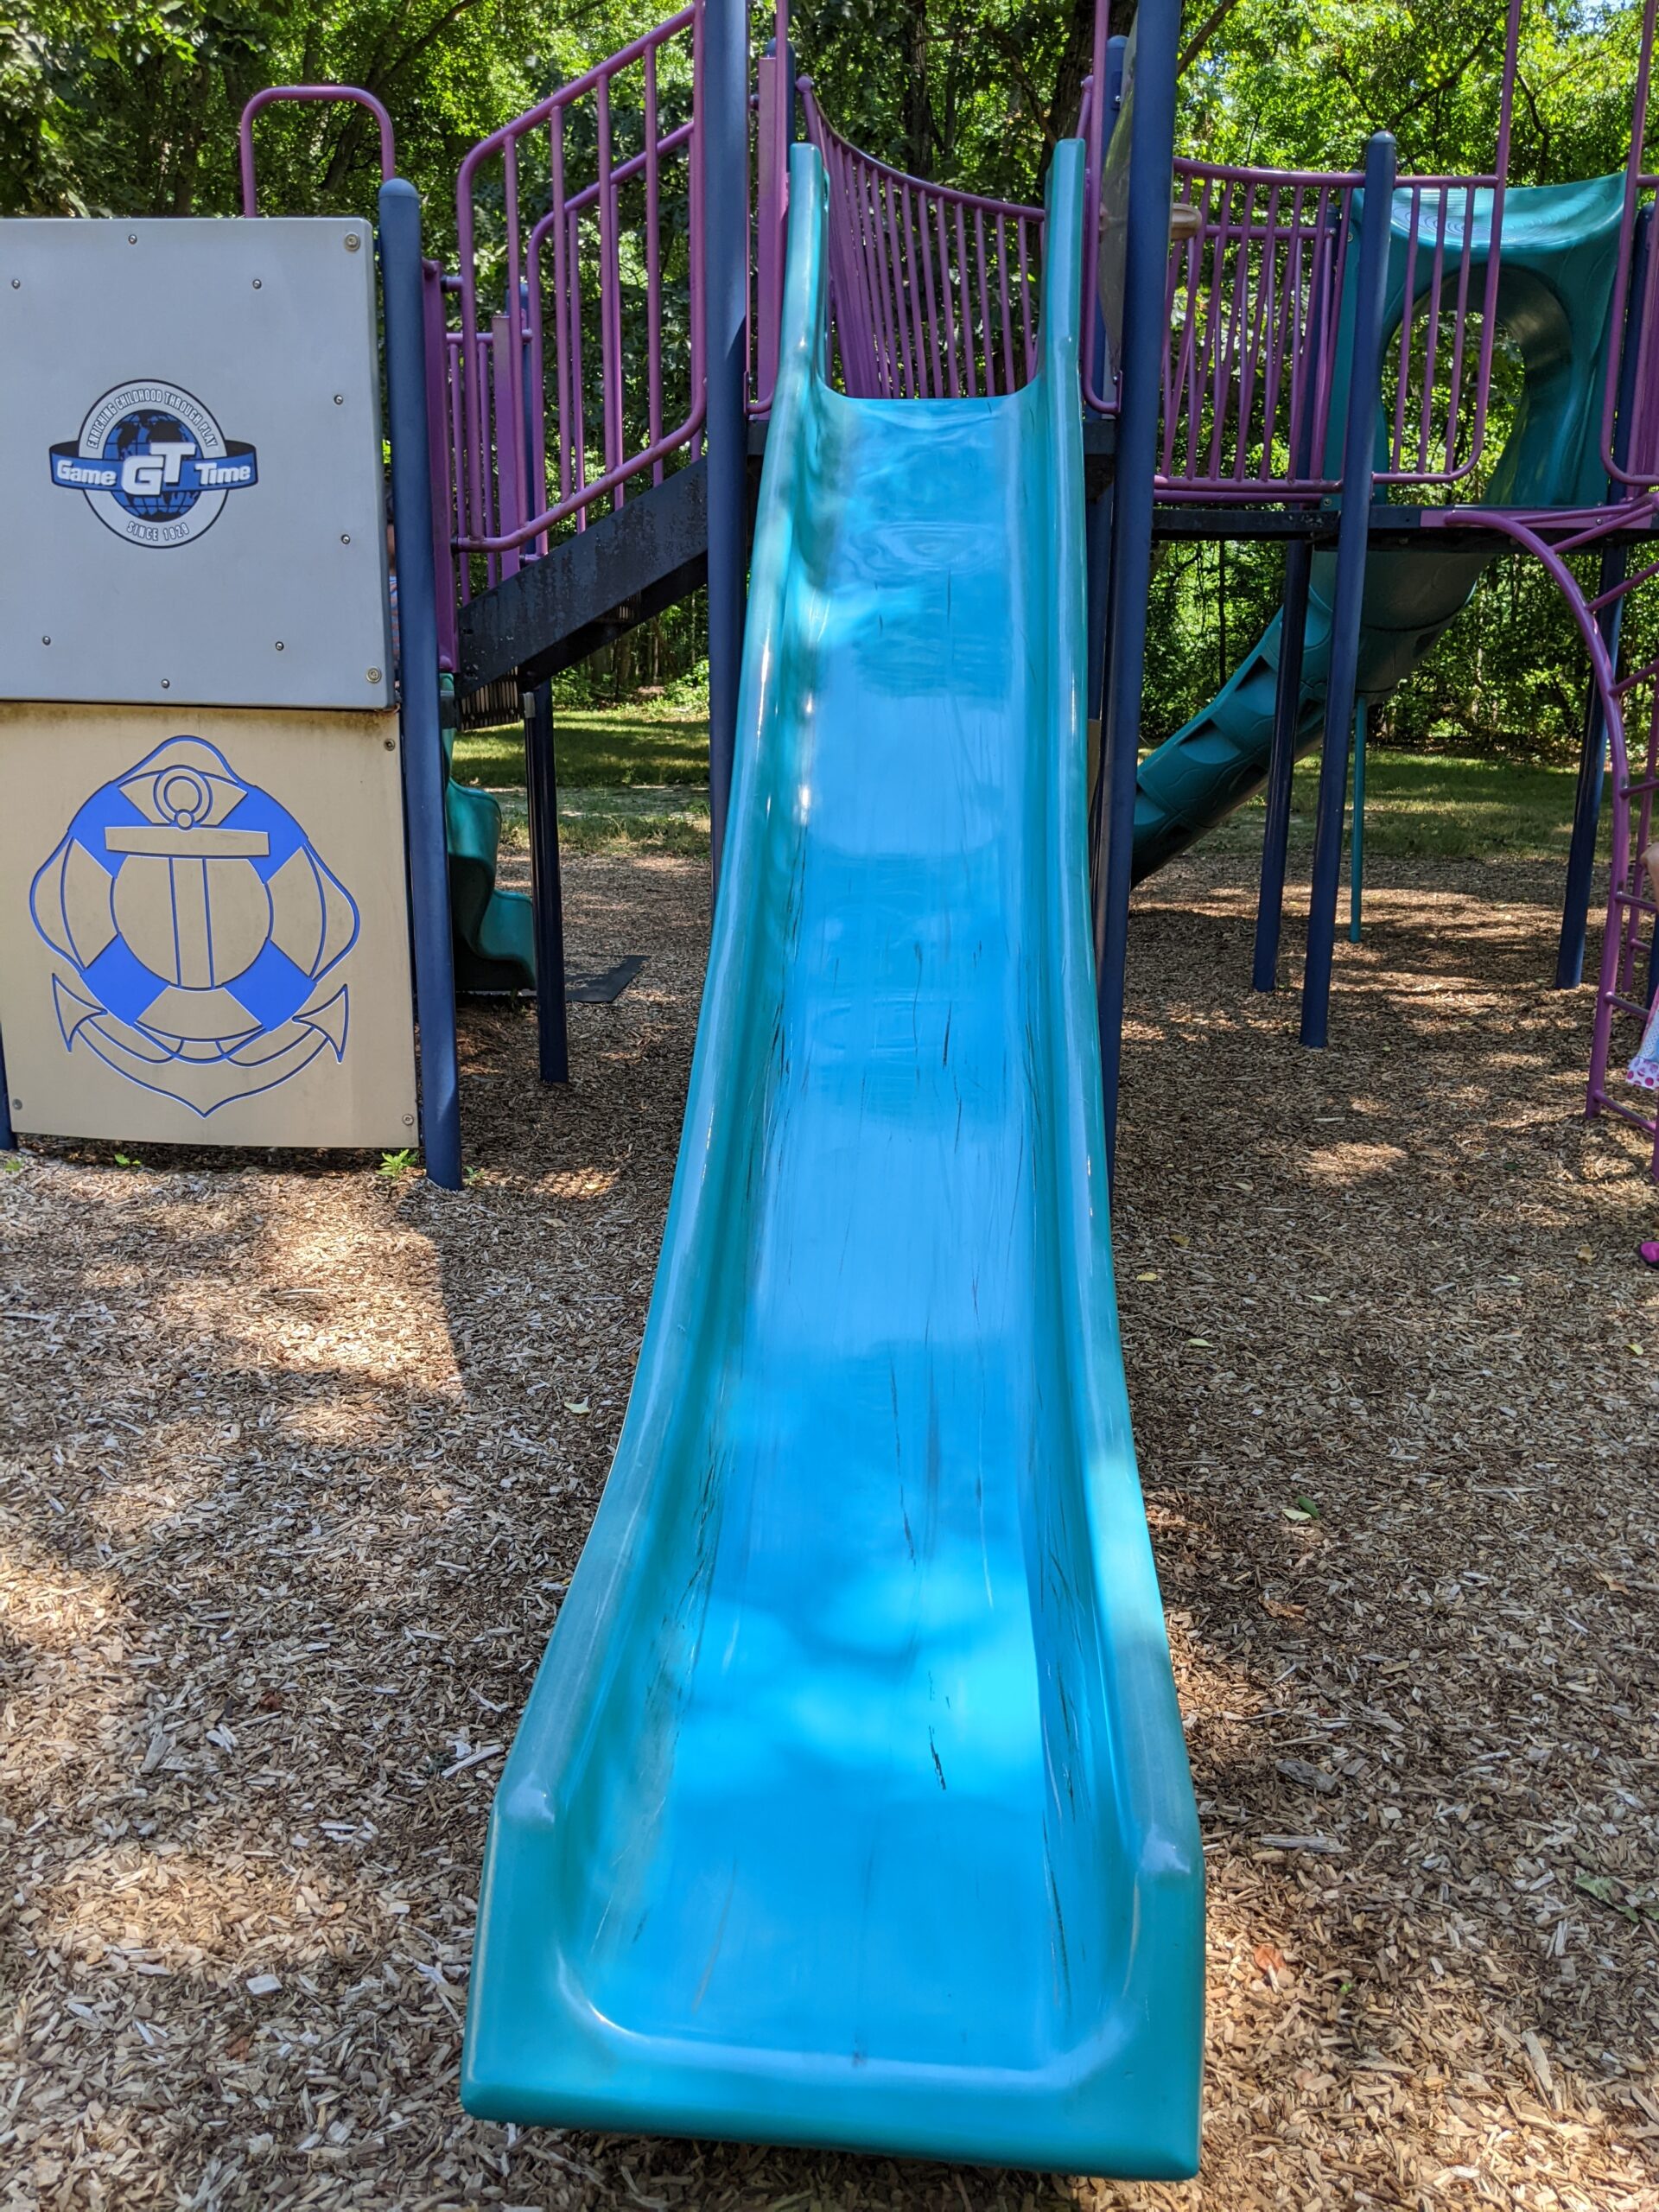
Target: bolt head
(374,675)
(258,283)
(281,647)
(345,537)
(167,683)
(340,399)
(17,283)
(352,242)
(46,641)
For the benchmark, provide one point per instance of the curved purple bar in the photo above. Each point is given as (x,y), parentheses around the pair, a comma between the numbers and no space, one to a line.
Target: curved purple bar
(352,93)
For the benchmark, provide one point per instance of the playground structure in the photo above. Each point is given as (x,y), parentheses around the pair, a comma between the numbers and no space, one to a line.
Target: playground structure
(769,1773)
(1259,322)
(850,1806)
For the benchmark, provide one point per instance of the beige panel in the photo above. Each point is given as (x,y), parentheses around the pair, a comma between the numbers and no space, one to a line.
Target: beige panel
(203,926)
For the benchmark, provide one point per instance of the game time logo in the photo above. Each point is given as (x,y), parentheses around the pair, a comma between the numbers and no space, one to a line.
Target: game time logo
(153,465)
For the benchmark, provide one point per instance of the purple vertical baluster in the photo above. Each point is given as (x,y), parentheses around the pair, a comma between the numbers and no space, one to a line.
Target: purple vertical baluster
(964,309)
(578,395)
(875,235)
(1334,254)
(1408,328)
(1005,305)
(1185,272)
(862,333)
(922,225)
(1466,268)
(1286,262)
(456,353)
(984,302)
(653,271)
(1256,274)
(1431,335)
(903,286)
(511,458)
(946,297)
(1027,336)
(920,262)
(509,472)
(438,455)
(562,281)
(610,292)
(891,242)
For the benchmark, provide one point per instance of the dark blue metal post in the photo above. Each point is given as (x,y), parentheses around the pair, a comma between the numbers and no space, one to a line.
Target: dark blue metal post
(1353,534)
(725,304)
(547,896)
(1151,142)
(417,612)
(1281,762)
(1099,539)
(1615,561)
(8,1138)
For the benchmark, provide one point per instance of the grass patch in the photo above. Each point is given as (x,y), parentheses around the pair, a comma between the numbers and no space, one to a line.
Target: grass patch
(633,777)
(594,748)
(1439,805)
(602,818)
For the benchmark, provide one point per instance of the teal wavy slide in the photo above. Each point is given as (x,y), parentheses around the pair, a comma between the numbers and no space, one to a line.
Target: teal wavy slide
(1555,282)
(851,1805)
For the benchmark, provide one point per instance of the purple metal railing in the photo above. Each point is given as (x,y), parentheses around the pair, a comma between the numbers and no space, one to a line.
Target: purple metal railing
(565,389)
(1252,296)
(1630,707)
(315,94)
(933,293)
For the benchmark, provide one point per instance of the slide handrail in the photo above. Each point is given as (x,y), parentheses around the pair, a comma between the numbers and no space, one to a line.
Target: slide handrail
(320,94)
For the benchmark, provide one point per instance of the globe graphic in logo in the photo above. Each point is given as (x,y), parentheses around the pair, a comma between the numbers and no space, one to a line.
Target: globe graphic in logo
(141,432)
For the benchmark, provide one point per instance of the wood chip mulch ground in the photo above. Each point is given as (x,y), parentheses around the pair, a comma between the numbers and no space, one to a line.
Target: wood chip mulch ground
(295,1460)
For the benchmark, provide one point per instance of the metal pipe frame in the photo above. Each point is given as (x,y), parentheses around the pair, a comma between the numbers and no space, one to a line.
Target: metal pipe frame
(1359,433)
(402,284)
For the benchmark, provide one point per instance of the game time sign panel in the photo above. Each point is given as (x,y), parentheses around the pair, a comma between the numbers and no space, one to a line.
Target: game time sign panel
(190,447)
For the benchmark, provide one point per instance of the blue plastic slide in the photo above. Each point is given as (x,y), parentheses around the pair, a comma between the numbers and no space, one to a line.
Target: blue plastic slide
(851,1806)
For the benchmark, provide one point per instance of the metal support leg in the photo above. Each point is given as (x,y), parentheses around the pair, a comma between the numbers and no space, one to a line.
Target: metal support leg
(1357,831)
(1353,533)
(726,289)
(541,794)
(1287,699)
(417,613)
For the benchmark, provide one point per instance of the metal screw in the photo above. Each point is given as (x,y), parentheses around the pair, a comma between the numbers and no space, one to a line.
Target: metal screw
(408,1119)
(258,283)
(18,1105)
(46,641)
(352,241)
(167,683)
(390,744)
(374,675)
(345,537)
(133,238)
(340,399)
(17,283)
(281,647)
